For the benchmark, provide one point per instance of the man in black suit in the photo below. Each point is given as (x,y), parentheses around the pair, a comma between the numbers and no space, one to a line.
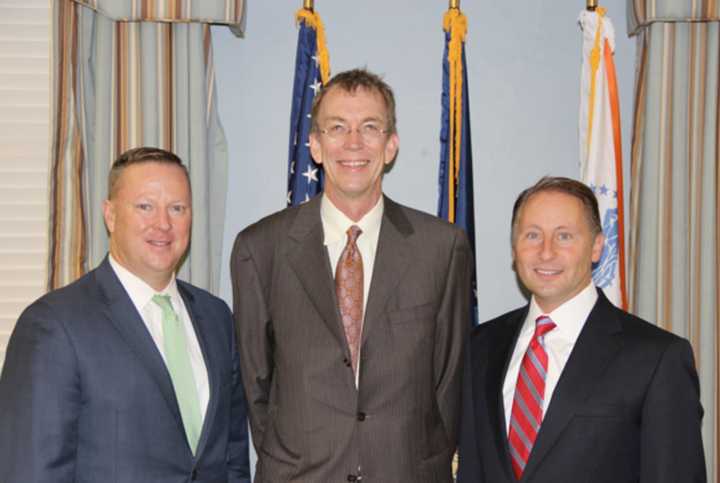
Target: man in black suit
(570,388)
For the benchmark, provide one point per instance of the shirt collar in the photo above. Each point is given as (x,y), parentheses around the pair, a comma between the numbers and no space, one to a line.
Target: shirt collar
(336,223)
(569,317)
(139,291)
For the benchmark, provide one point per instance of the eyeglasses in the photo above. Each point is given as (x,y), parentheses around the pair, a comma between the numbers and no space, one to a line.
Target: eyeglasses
(369,132)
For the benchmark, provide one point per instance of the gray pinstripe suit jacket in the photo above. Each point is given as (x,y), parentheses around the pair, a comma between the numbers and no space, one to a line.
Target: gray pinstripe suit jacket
(309,421)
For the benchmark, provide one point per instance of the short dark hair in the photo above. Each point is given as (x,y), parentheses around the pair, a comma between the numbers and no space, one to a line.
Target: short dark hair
(352,80)
(568,186)
(139,155)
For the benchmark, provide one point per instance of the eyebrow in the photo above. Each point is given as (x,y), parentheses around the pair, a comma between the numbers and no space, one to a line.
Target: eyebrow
(363,121)
(538,227)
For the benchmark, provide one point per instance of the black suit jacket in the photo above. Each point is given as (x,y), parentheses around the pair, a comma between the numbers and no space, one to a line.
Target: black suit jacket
(85,394)
(626,407)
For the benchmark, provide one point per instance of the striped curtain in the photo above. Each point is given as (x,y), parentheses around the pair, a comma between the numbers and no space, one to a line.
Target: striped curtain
(675,194)
(127,74)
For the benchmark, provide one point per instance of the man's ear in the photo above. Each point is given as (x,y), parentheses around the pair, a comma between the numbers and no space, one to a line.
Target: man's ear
(391,148)
(315,149)
(109,215)
(597,247)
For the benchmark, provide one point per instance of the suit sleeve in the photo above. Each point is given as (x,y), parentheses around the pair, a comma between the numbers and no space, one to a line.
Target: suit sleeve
(453,325)
(252,322)
(671,441)
(469,470)
(40,402)
(238,444)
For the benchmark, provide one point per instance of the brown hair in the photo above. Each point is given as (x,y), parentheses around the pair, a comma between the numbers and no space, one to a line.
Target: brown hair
(567,186)
(352,80)
(141,155)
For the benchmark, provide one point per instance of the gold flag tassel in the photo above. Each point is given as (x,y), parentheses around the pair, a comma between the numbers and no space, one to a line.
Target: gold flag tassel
(312,19)
(455,23)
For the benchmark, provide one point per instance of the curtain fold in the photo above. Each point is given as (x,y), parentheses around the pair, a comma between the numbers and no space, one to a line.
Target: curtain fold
(641,13)
(127,84)
(675,194)
(224,12)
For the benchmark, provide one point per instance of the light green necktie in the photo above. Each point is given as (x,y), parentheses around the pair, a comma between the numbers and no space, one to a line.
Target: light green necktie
(177,359)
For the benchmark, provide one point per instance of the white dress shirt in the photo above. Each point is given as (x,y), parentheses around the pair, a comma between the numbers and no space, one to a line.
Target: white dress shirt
(335,225)
(569,320)
(141,295)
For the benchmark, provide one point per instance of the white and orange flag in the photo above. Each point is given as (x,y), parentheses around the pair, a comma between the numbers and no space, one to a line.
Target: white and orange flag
(601,147)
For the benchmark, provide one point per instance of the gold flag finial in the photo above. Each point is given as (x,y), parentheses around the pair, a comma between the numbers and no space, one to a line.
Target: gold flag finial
(308,5)
(591,5)
(455,4)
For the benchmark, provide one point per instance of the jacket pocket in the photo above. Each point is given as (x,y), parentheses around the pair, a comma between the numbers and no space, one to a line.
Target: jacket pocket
(411,314)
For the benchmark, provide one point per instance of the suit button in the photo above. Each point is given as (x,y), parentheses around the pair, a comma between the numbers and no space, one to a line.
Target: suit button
(193,475)
(352,478)
(347,362)
(361,416)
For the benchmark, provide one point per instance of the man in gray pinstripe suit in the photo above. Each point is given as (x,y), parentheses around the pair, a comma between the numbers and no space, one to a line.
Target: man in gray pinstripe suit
(327,406)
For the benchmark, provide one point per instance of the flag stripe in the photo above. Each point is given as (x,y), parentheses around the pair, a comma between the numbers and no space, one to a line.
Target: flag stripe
(617,138)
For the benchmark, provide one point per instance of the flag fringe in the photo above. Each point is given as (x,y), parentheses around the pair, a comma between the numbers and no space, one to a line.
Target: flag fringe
(312,20)
(594,66)
(455,23)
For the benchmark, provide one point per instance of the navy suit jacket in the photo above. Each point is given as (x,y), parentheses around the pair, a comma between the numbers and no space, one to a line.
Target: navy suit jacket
(85,395)
(626,408)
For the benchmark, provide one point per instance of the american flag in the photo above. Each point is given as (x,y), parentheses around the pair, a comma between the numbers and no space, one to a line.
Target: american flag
(305,177)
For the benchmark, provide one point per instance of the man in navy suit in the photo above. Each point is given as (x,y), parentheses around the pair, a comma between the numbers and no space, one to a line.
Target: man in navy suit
(127,375)
(570,388)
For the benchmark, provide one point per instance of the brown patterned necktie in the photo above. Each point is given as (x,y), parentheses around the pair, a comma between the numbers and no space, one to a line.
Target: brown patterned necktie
(349,291)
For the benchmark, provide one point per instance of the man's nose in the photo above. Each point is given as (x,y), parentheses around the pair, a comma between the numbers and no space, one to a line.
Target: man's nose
(163,220)
(547,249)
(354,138)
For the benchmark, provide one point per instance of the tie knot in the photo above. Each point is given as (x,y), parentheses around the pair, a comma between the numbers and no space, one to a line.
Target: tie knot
(163,301)
(353,233)
(543,325)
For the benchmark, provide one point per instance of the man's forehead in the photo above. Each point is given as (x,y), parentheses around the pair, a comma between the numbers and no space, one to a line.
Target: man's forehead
(339,92)
(134,175)
(547,203)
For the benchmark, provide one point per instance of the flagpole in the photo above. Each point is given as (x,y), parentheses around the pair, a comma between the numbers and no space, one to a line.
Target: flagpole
(309,5)
(591,5)
(455,4)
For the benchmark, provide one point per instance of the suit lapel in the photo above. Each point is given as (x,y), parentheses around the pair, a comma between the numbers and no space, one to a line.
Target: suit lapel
(498,363)
(124,316)
(595,348)
(200,327)
(308,258)
(392,258)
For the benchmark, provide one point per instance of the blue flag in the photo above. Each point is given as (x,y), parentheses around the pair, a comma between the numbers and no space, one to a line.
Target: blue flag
(456,174)
(305,177)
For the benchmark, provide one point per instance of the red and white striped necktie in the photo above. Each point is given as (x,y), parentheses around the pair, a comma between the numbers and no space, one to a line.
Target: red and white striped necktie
(527,408)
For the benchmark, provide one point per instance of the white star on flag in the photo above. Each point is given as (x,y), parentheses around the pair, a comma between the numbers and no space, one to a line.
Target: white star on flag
(315,86)
(311,174)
